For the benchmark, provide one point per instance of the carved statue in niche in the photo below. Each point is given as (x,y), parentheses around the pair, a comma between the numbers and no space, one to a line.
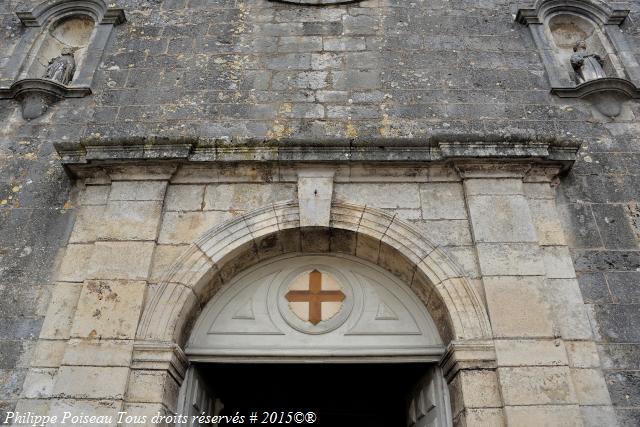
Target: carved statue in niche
(587,66)
(63,67)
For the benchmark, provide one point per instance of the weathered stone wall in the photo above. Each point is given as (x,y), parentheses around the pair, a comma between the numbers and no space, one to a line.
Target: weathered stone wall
(378,68)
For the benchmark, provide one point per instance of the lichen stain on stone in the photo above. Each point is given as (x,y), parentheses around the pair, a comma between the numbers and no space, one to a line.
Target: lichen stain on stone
(99,288)
(634,216)
(352,131)
(279,131)
(97,313)
(385,125)
(553,390)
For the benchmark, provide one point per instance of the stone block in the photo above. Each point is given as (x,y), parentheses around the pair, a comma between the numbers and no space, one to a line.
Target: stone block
(106,410)
(580,225)
(11,381)
(614,226)
(164,257)
(108,309)
(517,307)
(446,232)
(598,416)
(39,383)
(557,262)
(177,296)
(121,260)
(549,385)
(153,413)
(569,312)
(94,195)
(87,225)
(342,44)
(184,198)
(594,288)
(582,354)
(548,415)
(480,389)
(187,227)
(91,382)
(539,191)
(131,220)
(530,353)
(152,387)
(623,387)
(546,222)
(624,286)
(590,387)
(137,190)
(511,259)
(35,406)
(615,323)
(390,196)
(442,200)
(501,219)
(59,317)
(98,352)
(315,192)
(492,417)
(493,186)
(75,263)
(465,257)
(243,197)
(48,353)
(619,356)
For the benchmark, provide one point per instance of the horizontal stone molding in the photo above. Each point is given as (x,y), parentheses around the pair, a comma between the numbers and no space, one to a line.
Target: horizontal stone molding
(36,95)
(468,355)
(441,148)
(159,355)
(47,87)
(594,87)
(316,2)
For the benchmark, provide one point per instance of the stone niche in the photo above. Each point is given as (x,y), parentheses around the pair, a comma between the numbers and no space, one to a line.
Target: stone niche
(584,51)
(58,54)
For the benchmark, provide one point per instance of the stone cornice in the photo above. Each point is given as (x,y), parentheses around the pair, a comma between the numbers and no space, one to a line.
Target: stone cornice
(468,355)
(153,355)
(436,149)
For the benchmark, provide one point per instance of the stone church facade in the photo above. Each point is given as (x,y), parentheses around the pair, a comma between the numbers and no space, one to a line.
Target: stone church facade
(452,153)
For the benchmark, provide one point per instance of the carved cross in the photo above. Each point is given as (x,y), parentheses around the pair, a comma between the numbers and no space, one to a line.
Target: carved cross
(315,296)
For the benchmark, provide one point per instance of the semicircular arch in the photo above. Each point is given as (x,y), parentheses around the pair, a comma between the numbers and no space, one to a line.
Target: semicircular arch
(363,232)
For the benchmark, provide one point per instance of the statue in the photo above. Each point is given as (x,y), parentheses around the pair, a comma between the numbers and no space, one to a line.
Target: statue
(62,68)
(588,66)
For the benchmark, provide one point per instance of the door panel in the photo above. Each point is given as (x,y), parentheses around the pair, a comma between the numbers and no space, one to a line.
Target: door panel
(196,399)
(429,402)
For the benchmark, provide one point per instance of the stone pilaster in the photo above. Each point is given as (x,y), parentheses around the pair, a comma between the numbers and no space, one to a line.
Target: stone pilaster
(532,298)
(470,370)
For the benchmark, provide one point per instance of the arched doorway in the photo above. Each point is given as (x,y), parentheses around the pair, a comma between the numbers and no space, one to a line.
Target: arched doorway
(213,261)
(328,334)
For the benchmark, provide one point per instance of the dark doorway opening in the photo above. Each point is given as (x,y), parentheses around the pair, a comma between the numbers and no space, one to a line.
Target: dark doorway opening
(371,395)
